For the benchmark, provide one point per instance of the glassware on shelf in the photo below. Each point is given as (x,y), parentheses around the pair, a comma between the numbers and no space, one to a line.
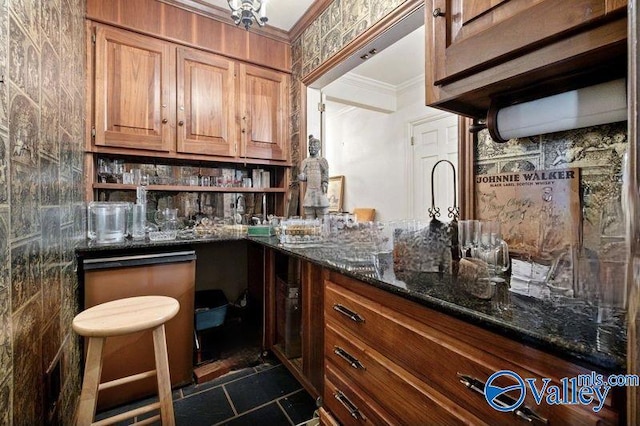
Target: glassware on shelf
(118,170)
(104,170)
(127,178)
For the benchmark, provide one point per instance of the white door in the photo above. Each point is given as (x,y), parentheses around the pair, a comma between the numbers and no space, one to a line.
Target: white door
(433,139)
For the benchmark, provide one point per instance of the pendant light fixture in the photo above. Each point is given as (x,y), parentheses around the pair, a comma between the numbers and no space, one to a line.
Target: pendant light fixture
(246,11)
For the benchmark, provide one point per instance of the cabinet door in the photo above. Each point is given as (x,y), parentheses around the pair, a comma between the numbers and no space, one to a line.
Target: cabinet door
(133,88)
(470,36)
(206,104)
(264,113)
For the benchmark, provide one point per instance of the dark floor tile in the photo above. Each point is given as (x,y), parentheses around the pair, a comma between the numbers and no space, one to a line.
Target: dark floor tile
(229,377)
(175,394)
(270,415)
(268,364)
(298,406)
(205,408)
(261,388)
(124,408)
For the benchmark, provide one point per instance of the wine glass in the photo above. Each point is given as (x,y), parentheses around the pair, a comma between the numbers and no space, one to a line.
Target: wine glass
(493,249)
(468,234)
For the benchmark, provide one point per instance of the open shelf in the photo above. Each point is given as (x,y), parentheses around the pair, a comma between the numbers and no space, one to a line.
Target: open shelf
(186,188)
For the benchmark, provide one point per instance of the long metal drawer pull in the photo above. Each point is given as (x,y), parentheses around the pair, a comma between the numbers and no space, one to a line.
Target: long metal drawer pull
(505,400)
(353,410)
(353,361)
(353,316)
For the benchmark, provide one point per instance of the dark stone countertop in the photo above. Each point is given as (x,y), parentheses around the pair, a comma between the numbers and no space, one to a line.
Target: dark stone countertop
(567,328)
(92,249)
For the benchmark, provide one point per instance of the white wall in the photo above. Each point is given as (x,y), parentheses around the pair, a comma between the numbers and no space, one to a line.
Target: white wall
(370,149)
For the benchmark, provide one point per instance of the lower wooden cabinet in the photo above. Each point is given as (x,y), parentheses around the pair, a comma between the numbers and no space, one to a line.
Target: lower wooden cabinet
(392,361)
(293,318)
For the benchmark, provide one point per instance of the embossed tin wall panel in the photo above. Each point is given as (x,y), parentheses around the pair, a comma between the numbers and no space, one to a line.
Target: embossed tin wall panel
(27,364)
(42,47)
(4,166)
(598,152)
(337,26)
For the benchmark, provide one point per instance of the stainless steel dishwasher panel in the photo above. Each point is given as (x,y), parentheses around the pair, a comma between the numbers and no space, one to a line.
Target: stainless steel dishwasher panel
(166,274)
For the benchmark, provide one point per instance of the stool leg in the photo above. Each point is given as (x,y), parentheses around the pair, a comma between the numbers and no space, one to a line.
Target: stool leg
(91,381)
(164,379)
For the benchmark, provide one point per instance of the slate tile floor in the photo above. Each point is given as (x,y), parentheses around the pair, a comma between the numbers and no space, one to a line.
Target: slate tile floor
(266,394)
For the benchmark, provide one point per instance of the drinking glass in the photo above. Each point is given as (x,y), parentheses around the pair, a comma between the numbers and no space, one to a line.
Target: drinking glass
(104,170)
(167,219)
(493,249)
(468,234)
(139,221)
(117,169)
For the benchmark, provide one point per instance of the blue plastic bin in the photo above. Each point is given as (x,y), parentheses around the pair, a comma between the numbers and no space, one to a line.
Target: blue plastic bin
(210,309)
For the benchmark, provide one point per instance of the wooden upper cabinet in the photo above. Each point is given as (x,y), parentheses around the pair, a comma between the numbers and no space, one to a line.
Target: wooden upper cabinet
(480,49)
(264,113)
(205,104)
(134,84)
(152,95)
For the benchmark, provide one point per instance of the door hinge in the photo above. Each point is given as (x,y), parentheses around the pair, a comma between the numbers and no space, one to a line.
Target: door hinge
(93,38)
(93,132)
(412,141)
(321,107)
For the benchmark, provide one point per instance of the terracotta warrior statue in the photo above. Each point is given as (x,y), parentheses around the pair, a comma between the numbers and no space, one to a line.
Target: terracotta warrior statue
(315,171)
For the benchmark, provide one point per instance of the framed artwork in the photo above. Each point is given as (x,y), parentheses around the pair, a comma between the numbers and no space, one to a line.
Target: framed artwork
(334,193)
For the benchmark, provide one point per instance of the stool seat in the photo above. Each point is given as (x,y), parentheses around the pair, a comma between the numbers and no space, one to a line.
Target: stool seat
(125,316)
(115,318)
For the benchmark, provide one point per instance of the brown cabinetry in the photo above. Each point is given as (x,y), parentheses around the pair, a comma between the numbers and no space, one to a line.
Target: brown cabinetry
(390,361)
(264,108)
(206,104)
(293,319)
(155,98)
(487,49)
(133,89)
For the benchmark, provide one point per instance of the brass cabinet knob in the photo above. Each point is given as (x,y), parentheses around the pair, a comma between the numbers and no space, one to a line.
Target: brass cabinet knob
(165,121)
(180,123)
(437,12)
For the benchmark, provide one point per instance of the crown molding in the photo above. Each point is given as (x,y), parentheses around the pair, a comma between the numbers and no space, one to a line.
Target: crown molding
(342,110)
(408,84)
(367,83)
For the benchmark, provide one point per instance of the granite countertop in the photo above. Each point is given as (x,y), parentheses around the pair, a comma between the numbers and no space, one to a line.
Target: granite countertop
(91,248)
(565,327)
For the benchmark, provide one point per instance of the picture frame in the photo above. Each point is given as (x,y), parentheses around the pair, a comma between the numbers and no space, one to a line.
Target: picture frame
(334,193)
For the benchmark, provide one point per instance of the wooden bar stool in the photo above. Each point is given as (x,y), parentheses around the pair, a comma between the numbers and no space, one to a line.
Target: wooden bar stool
(116,318)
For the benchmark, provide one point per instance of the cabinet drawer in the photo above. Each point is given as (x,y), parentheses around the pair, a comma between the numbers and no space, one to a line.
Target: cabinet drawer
(408,399)
(435,348)
(347,402)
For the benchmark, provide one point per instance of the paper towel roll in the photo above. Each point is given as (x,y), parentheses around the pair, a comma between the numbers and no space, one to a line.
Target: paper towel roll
(590,106)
